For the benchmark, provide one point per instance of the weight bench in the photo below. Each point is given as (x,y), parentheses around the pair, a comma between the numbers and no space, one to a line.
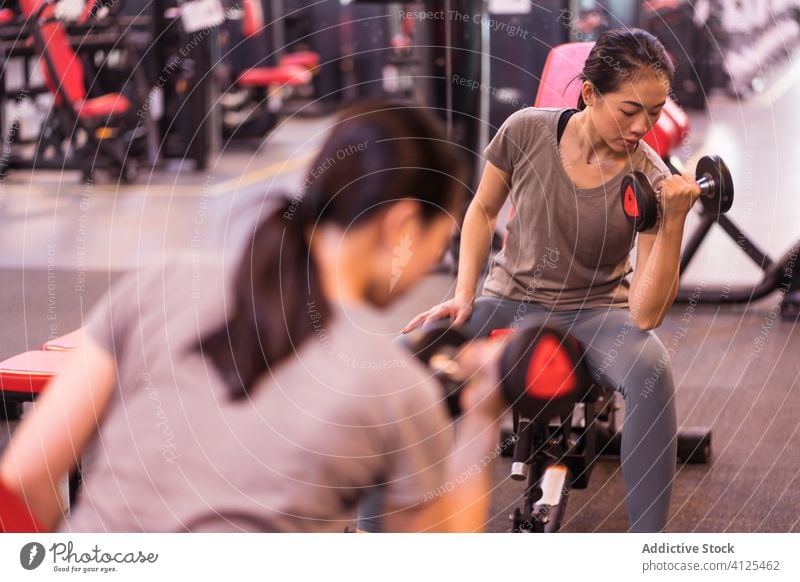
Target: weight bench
(24,376)
(105,129)
(64,343)
(15,515)
(252,111)
(22,379)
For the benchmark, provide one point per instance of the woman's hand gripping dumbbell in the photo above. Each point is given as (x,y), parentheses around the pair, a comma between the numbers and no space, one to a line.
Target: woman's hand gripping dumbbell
(643,204)
(536,367)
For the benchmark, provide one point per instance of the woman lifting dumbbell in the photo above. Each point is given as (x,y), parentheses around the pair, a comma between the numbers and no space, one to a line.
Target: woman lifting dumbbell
(566,256)
(259,400)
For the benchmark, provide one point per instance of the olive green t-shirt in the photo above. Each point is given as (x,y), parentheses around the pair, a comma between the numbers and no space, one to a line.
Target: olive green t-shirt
(567,247)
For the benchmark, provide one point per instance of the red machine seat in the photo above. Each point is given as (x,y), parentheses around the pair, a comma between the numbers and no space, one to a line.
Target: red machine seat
(25,376)
(500,333)
(253,17)
(15,516)
(64,343)
(103,106)
(268,76)
(560,85)
(6,15)
(307,59)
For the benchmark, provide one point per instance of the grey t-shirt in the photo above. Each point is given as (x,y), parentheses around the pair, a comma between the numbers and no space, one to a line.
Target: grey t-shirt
(174,453)
(567,247)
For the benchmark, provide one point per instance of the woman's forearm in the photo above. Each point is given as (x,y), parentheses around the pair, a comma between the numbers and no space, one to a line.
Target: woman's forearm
(476,240)
(657,285)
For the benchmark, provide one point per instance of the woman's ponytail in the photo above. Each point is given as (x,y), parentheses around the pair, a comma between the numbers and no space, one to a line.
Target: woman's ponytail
(277,301)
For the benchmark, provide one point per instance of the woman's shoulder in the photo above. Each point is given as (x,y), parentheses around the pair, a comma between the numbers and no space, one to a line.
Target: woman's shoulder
(528,115)
(530,127)
(176,270)
(173,290)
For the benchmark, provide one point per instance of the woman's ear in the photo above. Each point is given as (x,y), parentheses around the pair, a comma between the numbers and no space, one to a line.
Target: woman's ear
(400,219)
(588,94)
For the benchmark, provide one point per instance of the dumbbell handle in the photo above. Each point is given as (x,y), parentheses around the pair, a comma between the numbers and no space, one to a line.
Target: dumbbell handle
(707,186)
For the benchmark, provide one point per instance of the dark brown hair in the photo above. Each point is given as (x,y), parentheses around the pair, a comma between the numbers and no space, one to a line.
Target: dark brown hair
(622,54)
(377,153)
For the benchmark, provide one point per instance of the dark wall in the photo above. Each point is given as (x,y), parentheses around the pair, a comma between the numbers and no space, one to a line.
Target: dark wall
(519,47)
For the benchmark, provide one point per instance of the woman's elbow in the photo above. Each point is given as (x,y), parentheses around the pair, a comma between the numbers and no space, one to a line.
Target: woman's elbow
(647,325)
(647,321)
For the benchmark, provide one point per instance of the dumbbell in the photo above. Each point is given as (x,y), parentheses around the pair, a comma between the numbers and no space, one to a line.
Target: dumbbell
(640,203)
(539,372)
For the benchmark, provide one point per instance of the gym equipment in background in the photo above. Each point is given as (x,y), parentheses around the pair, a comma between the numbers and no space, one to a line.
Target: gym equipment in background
(782,275)
(255,92)
(81,131)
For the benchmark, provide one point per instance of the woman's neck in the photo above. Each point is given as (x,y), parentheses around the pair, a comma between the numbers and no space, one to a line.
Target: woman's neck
(338,265)
(589,144)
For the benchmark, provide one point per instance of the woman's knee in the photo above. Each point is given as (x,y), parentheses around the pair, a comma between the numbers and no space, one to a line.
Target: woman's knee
(649,368)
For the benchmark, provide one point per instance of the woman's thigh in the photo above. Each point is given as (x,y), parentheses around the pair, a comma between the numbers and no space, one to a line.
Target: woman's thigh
(621,356)
(491,313)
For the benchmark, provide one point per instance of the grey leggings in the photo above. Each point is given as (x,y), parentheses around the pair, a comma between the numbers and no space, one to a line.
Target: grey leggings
(621,356)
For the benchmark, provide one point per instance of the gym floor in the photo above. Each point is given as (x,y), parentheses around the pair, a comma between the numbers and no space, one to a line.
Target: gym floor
(62,242)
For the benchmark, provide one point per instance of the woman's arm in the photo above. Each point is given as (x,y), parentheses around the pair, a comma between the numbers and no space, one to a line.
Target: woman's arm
(476,240)
(658,256)
(480,223)
(464,507)
(52,436)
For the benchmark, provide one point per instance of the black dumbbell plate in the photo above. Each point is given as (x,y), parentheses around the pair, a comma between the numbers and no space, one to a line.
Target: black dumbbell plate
(715,168)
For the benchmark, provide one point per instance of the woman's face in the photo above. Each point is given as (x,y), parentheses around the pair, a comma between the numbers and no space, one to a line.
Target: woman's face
(624,116)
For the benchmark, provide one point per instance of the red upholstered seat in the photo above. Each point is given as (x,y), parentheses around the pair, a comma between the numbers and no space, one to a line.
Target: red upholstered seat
(253,17)
(103,106)
(500,333)
(6,15)
(307,59)
(69,70)
(87,11)
(64,343)
(26,375)
(267,76)
(15,516)
(560,85)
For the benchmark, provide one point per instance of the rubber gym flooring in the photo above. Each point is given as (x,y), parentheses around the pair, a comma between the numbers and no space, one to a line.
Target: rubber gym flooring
(61,243)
